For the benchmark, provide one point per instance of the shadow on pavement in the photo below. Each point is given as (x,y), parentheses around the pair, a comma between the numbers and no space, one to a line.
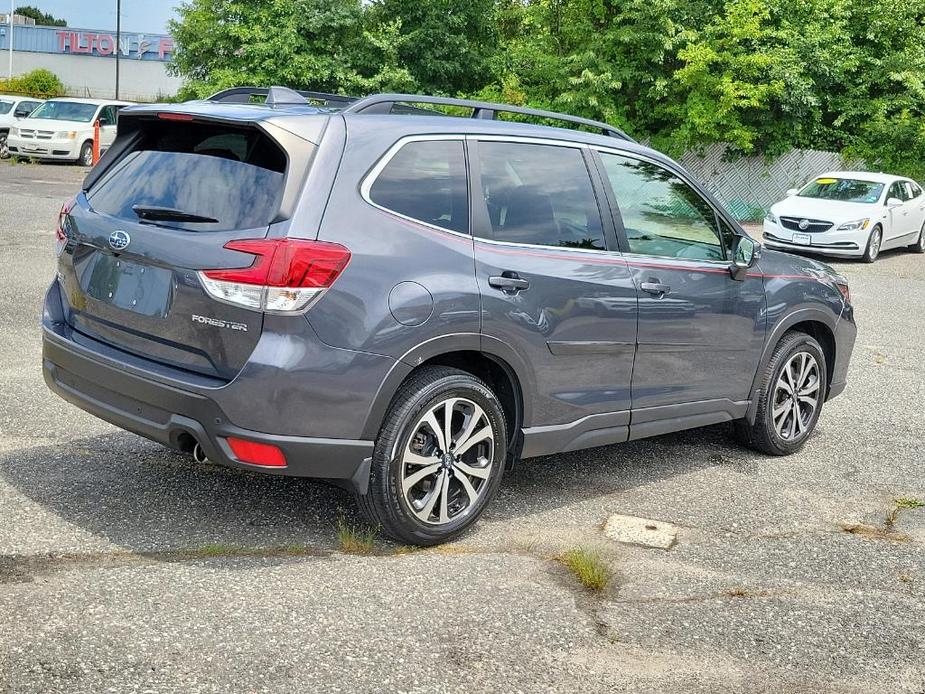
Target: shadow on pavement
(143,497)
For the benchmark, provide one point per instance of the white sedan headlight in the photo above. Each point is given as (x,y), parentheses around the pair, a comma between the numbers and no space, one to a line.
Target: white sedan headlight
(770,217)
(14,132)
(66,135)
(857,225)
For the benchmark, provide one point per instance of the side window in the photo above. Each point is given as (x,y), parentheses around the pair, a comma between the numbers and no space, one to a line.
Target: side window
(107,116)
(539,194)
(909,188)
(426,181)
(662,215)
(898,191)
(914,187)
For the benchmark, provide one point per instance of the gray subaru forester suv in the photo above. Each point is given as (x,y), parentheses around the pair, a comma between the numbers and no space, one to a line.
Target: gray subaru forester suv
(404,302)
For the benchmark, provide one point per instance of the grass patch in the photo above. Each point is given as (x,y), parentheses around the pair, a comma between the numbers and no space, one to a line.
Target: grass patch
(900,504)
(355,539)
(220,549)
(875,533)
(589,568)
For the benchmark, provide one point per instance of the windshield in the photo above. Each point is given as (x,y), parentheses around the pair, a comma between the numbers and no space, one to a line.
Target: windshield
(65,110)
(5,107)
(843,190)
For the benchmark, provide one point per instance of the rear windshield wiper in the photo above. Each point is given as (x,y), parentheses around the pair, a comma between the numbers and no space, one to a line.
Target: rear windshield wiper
(169,214)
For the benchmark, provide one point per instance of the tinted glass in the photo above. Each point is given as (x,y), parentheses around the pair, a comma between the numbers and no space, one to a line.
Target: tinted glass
(5,107)
(234,175)
(65,110)
(108,116)
(539,194)
(426,181)
(843,190)
(662,215)
(898,191)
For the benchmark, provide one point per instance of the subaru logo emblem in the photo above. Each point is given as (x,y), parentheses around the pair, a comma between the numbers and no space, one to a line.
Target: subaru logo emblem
(119,240)
(804,225)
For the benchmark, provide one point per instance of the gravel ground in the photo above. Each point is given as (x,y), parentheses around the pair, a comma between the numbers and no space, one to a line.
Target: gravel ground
(125,567)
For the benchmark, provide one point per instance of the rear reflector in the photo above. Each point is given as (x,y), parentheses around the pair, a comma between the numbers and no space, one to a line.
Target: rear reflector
(286,276)
(263,454)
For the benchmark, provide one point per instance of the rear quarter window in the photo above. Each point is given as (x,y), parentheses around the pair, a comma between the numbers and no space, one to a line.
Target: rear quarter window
(230,174)
(426,181)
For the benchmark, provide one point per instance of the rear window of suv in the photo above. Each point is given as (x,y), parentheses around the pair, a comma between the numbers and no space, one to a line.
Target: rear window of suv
(233,175)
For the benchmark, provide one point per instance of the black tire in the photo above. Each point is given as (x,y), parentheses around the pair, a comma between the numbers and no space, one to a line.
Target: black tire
(763,435)
(919,245)
(86,154)
(385,504)
(872,250)
(4,150)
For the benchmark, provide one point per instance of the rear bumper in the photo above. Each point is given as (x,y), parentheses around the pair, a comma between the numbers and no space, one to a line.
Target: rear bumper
(175,417)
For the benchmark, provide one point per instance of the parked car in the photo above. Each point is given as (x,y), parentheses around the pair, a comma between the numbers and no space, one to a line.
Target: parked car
(12,110)
(407,303)
(63,129)
(853,214)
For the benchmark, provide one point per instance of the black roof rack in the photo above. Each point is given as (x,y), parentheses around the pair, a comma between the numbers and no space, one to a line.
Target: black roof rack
(384,103)
(244,95)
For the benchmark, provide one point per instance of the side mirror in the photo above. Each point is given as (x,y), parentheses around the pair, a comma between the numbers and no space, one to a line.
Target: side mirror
(893,202)
(21,112)
(792,191)
(744,256)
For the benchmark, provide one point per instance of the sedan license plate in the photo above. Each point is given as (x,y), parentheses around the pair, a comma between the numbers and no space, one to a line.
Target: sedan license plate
(802,239)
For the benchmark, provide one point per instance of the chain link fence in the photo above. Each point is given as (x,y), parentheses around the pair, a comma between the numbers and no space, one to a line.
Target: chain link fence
(748,186)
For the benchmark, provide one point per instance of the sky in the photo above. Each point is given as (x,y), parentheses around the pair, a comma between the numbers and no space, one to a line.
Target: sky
(143,16)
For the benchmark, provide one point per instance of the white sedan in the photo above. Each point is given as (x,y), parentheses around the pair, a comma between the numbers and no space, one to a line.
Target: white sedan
(849,214)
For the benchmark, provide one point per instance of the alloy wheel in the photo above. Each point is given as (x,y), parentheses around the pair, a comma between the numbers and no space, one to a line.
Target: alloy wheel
(875,244)
(796,396)
(446,464)
(4,148)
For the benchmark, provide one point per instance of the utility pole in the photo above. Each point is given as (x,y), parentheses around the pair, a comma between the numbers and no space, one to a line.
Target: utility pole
(118,41)
(10,37)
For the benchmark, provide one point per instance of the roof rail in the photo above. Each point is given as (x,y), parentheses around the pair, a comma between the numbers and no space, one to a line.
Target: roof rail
(383,103)
(243,95)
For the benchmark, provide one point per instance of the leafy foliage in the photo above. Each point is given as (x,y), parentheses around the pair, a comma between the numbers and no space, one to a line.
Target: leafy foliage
(38,83)
(41,18)
(843,75)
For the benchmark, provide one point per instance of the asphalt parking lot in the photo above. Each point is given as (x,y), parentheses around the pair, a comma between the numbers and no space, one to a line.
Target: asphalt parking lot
(126,567)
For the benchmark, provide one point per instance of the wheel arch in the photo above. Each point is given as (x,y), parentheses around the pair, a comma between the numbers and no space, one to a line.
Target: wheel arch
(814,322)
(488,359)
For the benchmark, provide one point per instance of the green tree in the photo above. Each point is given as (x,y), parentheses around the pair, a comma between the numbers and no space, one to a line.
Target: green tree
(320,45)
(444,44)
(42,18)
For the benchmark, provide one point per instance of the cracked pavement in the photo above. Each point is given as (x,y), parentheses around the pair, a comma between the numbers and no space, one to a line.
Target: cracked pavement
(126,567)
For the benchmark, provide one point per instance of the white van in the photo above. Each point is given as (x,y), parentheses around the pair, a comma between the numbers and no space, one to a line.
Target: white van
(12,110)
(63,129)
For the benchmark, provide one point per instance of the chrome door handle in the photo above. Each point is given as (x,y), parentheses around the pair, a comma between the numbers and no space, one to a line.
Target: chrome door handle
(656,288)
(508,282)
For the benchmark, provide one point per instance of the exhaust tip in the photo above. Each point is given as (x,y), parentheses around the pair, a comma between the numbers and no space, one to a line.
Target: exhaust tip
(199,455)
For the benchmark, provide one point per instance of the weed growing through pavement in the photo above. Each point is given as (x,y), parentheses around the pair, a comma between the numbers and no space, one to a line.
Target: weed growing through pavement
(901,504)
(355,539)
(589,568)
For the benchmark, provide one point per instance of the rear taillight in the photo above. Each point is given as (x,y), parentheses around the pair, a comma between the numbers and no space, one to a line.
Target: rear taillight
(286,276)
(61,228)
(254,453)
(844,290)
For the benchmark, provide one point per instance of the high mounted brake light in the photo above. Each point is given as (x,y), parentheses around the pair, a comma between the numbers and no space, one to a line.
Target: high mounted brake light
(285,276)
(174,116)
